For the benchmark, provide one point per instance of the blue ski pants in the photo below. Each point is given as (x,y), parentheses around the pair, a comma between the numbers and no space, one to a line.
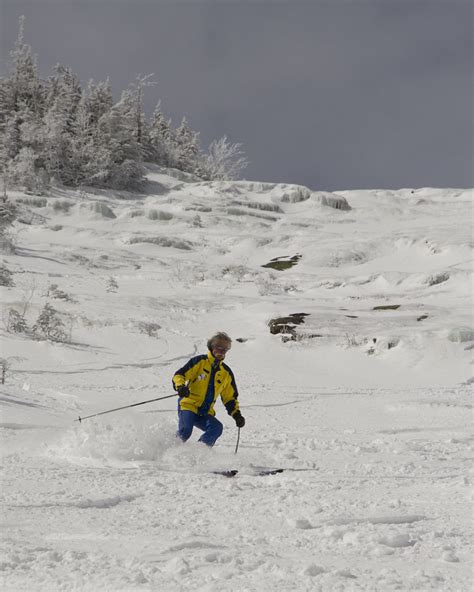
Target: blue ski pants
(211,426)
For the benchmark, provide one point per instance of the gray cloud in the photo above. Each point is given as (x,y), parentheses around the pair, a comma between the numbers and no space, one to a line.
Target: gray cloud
(334,95)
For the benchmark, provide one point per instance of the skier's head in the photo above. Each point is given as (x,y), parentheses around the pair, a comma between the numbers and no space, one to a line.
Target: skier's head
(219,344)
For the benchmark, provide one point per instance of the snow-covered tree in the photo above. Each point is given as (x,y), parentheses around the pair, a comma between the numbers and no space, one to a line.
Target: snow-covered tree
(137,91)
(161,137)
(124,168)
(99,100)
(11,136)
(8,213)
(23,87)
(186,147)
(224,161)
(22,171)
(54,131)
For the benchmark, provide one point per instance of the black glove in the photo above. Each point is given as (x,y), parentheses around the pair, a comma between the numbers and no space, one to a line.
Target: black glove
(183,390)
(239,419)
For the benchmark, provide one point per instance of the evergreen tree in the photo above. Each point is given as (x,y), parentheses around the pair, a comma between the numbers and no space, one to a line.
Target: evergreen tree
(21,99)
(58,143)
(186,149)
(117,138)
(99,100)
(12,135)
(23,87)
(161,138)
(82,161)
(22,170)
(136,92)
(61,126)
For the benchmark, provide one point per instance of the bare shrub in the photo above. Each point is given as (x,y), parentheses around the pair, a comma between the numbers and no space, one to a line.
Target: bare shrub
(62,205)
(49,325)
(224,161)
(55,292)
(352,341)
(35,202)
(16,322)
(112,284)
(4,366)
(148,328)
(6,277)
(237,272)
(437,278)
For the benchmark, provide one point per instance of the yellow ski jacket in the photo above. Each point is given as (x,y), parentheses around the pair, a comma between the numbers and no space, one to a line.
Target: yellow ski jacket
(207,379)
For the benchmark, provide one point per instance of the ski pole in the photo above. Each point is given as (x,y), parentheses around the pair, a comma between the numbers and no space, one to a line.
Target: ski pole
(79,419)
(237,445)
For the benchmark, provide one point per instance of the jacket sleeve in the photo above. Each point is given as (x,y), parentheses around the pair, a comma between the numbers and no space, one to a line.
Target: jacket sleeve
(230,394)
(186,373)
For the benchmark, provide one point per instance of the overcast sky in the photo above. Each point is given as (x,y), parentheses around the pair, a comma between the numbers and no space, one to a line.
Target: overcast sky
(335,94)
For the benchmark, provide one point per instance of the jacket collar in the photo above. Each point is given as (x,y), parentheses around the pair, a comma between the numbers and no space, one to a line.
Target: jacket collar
(214,361)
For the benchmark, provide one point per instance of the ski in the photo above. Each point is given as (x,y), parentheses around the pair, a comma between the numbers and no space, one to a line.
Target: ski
(231,473)
(264,472)
(258,473)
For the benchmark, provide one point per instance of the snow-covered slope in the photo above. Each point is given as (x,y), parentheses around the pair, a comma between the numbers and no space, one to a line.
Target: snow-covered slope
(365,402)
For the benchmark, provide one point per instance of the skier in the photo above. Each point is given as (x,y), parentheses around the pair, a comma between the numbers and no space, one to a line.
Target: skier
(198,383)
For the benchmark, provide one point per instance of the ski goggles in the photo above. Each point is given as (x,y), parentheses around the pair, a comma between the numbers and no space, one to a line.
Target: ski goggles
(220,348)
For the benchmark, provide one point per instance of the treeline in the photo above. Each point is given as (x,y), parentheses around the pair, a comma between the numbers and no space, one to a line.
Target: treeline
(55,131)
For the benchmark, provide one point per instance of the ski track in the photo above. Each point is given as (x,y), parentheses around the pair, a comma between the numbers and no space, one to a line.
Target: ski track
(359,505)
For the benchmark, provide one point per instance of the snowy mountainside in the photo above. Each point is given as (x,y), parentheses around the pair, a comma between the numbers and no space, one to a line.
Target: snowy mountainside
(351,315)
(396,267)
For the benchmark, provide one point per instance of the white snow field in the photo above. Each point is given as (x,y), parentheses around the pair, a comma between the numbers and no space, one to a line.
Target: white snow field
(375,436)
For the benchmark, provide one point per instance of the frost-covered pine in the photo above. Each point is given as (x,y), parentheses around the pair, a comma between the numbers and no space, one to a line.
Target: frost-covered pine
(11,144)
(161,138)
(22,101)
(60,126)
(117,136)
(23,86)
(137,91)
(186,142)
(99,100)
(86,159)
(21,170)
(22,153)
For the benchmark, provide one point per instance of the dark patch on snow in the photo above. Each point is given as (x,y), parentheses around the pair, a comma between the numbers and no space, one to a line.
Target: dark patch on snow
(286,325)
(282,263)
